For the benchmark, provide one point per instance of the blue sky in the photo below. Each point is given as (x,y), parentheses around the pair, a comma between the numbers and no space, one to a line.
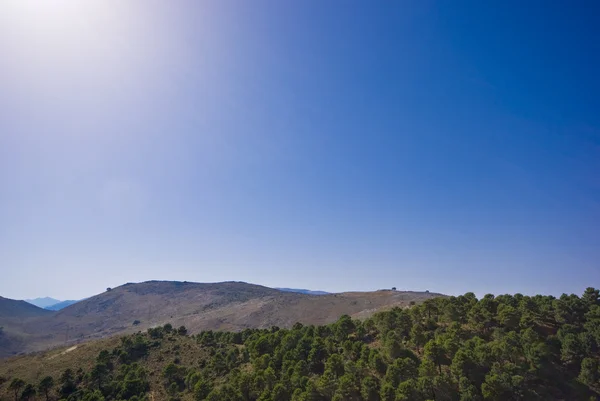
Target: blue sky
(318,144)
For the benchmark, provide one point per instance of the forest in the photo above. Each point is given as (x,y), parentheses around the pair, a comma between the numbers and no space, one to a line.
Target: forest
(500,348)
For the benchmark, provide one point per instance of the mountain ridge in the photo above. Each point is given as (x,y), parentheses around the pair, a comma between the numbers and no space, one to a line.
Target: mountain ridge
(43,302)
(61,305)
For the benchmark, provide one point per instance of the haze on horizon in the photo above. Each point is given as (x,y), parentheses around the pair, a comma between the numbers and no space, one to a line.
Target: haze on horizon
(355,146)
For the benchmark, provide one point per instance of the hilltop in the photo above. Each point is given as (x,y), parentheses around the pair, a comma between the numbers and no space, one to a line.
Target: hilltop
(217,306)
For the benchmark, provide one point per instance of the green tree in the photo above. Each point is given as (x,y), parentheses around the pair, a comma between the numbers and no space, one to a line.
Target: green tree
(508,316)
(591,297)
(67,383)
(344,327)
(104,358)
(28,392)
(417,337)
(95,396)
(15,386)
(132,381)
(503,383)
(191,379)
(310,393)
(370,389)
(202,389)
(408,391)
(98,375)
(400,370)
(280,393)
(327,384)
(45,386)
(317,355)
(335,364)
(571,349)
(393,346)
(387,392)
(467,390)
(174,374)
(376,362)
(589,373)
(348,388)
(435,353)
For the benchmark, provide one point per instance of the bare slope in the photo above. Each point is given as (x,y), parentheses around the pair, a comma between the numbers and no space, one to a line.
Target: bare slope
(221,306)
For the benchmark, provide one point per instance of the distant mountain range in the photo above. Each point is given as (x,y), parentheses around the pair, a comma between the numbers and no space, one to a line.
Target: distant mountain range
(50,303)
(302,291)
(43,302)
(60,305)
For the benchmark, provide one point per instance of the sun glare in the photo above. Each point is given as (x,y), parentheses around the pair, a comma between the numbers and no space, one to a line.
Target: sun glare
(50,45)
(50,17)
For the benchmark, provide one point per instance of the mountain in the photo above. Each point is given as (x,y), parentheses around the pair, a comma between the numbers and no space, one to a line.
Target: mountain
(216,306)
(50,303)
(302,291)
(60,305)
(43,302)
(13,309)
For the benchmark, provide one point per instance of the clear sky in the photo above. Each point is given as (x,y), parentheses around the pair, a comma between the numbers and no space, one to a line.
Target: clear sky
(333,145)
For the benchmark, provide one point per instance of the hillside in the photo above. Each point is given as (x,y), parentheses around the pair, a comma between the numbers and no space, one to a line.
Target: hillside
(446,349)
(217,306)
(10,308)
(13,315)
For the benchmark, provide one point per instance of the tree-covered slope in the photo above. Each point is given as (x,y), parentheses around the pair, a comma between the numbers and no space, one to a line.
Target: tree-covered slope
(456,348)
